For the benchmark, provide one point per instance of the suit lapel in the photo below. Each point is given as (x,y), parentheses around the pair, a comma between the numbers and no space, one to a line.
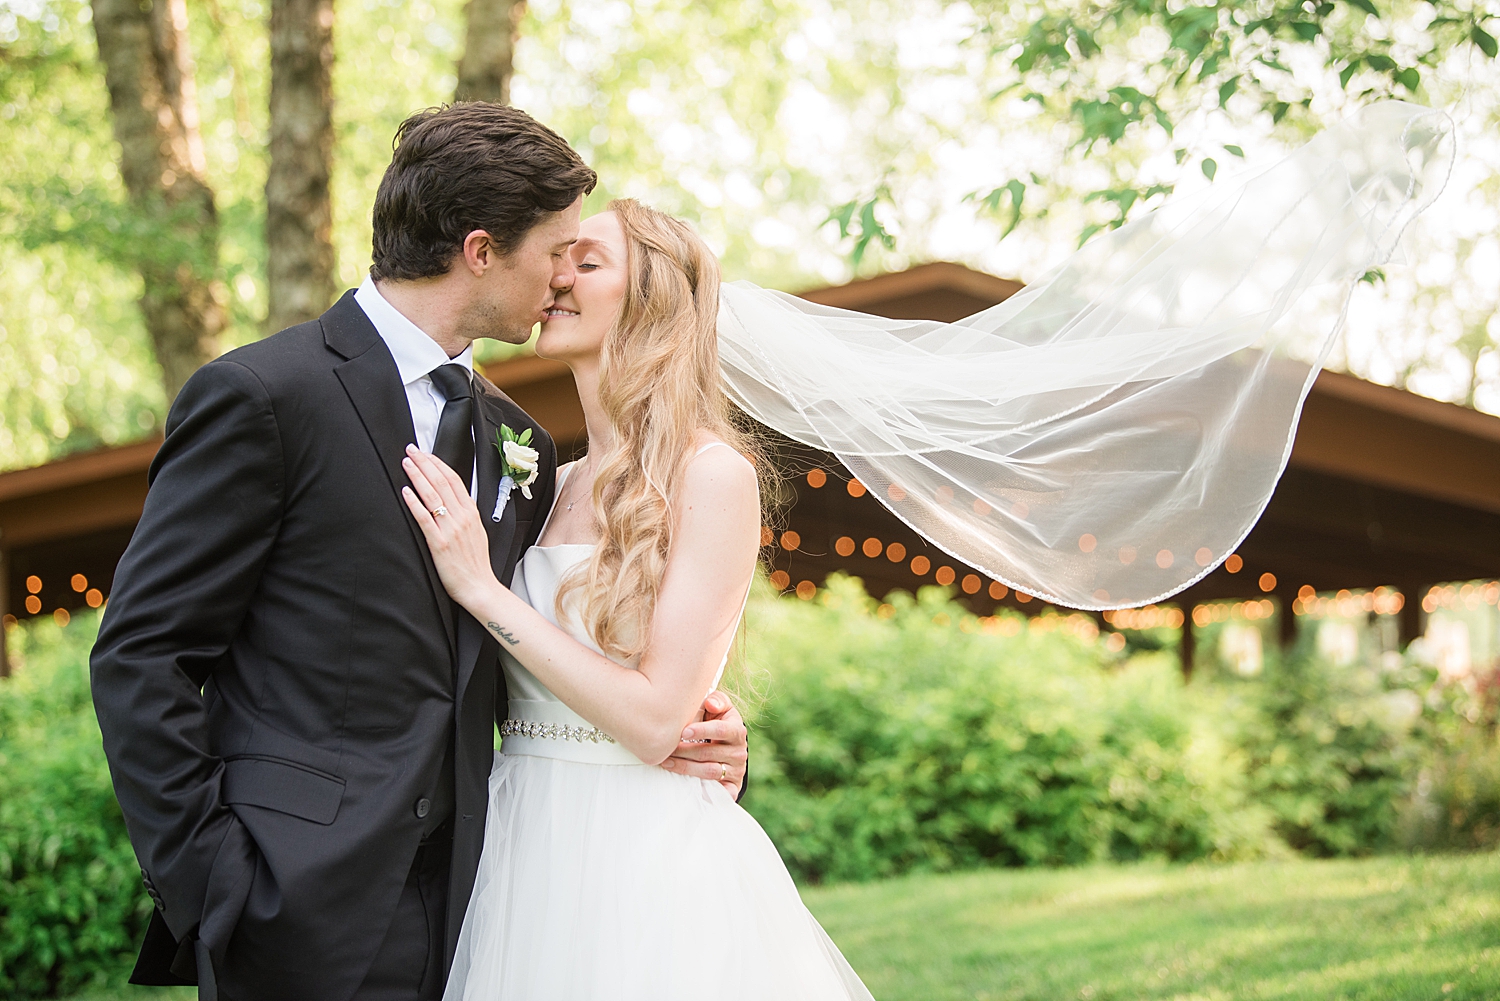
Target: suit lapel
(370,378)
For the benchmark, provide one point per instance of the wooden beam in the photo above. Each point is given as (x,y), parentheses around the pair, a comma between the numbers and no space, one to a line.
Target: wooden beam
(1386,437)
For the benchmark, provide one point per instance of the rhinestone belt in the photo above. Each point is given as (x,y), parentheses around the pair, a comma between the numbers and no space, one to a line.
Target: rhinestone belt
(554,731)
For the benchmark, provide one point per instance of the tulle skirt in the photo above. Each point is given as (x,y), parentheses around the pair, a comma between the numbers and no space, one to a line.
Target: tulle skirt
(628,882)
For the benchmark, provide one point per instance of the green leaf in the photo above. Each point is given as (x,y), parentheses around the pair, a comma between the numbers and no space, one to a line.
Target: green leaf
(1409,78)
(525,438)
(1379,63)
(1210,168)
(1373,276)
(1484,40)
(1279,112)
(1347,72)
(842,215)
(1089,231)
(1364,5)
(1235,151)
(1227,89)
(1308,31)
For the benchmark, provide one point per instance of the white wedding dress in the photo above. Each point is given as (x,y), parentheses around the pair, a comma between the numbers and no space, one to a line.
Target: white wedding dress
(605,878)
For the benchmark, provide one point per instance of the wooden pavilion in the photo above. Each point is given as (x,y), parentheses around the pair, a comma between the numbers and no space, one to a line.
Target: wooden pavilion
(1385,489)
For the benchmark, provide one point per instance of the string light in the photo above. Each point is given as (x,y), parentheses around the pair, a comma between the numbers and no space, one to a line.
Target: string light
(816,478)
(982,507)
(895,493)
(790,540)
(806,589)
(1347,604)
(33,604)
(1149,617)
(944,576)
(1467,596)
(1020,509)
(1253,610)
(94,598)
(1204,556)
(33,584)
(780,579)
(766,535)
(1164,558)
(1086,543)
(998,590)
(61,616)
(920,565)
(872,548)
(1234,564)
(971,583)
(855,488)
(844,546)
(1127,555)
(895,552)
(1268,582)
(944,494)
(80,583)
(1023,597)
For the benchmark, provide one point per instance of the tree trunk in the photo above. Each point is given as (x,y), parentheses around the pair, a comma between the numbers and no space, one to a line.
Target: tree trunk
(299,211)
(149,72)
(489,50)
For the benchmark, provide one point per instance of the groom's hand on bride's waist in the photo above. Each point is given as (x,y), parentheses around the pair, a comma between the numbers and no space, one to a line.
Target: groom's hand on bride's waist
(714,747)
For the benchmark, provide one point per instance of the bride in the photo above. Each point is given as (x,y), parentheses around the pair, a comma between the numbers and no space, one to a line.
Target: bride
(1139,400)
(618,621)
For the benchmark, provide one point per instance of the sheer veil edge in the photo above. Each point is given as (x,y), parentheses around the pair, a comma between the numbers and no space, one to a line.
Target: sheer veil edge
(1110,434)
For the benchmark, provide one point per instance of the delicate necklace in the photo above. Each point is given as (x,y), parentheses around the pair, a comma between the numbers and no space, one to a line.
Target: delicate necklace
(570,478)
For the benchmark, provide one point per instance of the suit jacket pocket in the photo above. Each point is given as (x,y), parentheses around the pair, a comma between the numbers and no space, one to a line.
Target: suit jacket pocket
(283,786)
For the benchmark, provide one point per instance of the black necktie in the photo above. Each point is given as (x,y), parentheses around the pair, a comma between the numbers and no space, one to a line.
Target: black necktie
(455,446)
(455,433)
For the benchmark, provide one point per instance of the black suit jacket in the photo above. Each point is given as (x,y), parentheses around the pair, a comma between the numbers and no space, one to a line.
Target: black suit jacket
(279,673)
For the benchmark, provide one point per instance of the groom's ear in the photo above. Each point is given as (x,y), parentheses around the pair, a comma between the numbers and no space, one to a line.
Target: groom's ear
(480,253)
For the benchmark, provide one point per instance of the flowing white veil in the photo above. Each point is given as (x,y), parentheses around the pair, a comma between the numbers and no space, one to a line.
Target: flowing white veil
(1108,435)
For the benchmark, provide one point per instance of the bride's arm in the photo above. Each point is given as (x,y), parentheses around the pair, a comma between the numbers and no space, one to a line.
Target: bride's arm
(714,545)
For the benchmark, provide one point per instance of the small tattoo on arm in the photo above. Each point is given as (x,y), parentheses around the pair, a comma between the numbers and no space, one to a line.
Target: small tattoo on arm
(503,634)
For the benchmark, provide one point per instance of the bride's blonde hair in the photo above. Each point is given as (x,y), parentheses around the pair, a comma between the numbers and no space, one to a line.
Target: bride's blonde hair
(660,388)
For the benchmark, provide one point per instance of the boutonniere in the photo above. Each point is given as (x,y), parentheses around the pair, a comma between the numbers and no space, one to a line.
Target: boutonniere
(518,465)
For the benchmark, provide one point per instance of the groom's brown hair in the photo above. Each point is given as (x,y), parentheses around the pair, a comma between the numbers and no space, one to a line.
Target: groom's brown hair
(467,166)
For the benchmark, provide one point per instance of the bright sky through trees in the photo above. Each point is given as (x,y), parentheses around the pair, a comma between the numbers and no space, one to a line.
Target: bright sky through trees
(757,120)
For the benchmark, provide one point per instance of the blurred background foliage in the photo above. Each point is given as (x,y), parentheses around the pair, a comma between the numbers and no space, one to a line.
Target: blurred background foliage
(913,736)
(810,141)
(887,739)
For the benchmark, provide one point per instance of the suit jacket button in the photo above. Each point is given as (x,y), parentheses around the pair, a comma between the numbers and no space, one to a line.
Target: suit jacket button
(424,807)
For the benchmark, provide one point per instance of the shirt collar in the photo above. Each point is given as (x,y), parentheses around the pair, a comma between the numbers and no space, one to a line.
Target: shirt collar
(416,353)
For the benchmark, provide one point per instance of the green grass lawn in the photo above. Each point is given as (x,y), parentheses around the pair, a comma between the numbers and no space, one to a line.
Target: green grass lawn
(1387,929)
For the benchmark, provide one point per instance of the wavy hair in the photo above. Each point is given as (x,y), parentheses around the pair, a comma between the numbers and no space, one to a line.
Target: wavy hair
(660,387)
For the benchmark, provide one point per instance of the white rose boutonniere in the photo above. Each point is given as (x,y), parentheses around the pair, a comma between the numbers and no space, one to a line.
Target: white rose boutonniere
(518,465)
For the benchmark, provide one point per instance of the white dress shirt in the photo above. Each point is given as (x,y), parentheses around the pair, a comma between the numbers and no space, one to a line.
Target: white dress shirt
(417,355)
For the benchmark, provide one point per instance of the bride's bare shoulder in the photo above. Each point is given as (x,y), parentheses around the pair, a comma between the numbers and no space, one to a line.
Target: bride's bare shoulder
(718,474)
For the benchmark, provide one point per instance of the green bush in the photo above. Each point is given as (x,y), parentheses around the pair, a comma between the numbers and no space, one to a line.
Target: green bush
(1333,749)
(925,739)
(72,910)
(1456,800)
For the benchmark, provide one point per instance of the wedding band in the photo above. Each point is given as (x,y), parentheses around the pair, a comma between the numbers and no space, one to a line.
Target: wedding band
(439,512)
(723,771)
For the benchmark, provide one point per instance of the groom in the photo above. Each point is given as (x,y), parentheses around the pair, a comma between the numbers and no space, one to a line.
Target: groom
(298,720)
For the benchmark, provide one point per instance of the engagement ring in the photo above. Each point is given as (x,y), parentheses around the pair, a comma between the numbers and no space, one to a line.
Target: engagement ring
(439,512)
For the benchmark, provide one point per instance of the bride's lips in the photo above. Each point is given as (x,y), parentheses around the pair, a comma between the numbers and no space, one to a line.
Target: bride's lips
(556,311)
